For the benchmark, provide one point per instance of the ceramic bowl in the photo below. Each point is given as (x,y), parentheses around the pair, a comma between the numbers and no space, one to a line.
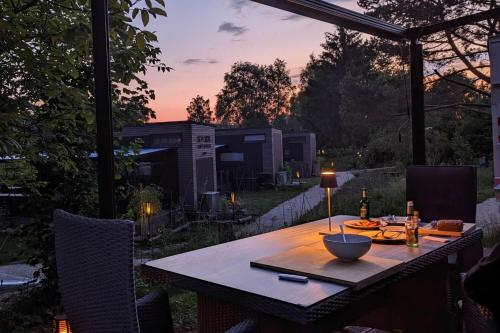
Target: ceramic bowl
(354,247)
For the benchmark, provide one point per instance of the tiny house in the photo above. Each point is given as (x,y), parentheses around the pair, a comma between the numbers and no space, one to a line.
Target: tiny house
(181,158)
(247,157)
(299,151)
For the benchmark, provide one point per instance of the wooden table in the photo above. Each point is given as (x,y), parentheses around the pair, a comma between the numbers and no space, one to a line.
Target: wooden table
(229,289)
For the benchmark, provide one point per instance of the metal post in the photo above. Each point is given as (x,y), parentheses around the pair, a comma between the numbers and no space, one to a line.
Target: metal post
(104,121)
(328,195)
(417,103)
(494,52)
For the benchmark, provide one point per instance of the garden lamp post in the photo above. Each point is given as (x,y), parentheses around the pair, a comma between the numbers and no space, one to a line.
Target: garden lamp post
(329,181)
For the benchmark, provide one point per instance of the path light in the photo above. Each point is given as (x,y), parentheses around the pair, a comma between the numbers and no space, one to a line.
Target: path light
(329,181)
(61,324)
(233,200)
(148,209)
(147,212)
(297,174)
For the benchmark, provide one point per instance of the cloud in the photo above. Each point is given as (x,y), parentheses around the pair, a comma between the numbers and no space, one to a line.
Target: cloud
(239,4)
(293,17)
(231,28)
(198,61)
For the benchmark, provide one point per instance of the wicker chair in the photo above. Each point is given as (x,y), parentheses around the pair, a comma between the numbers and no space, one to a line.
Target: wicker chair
(443,192)
(447,192)
(476,319)
(96,279)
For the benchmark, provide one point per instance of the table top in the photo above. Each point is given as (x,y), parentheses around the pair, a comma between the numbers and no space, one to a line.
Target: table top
(226,267)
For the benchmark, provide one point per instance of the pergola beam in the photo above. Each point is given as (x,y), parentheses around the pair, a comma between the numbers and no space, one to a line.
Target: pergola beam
(330,13)
(104,117)
(418,32)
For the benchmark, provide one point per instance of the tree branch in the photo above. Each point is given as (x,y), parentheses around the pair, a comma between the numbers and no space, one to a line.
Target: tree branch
(479,91)
(464,59)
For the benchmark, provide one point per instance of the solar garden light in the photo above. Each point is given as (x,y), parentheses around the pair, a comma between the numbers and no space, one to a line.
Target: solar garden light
(147,211)
(328,181)
(233,200)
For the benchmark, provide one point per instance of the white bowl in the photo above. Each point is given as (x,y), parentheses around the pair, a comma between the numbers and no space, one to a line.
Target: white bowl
(354,247)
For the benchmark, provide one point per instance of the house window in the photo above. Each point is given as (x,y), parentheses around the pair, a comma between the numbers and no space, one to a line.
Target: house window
(255,138)
(144,169)
(166,139)
(232,157)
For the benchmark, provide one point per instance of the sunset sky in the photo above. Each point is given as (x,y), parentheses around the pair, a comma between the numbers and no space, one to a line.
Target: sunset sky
(201,39)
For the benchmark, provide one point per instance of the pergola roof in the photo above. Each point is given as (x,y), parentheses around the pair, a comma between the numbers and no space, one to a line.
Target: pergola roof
(330,13)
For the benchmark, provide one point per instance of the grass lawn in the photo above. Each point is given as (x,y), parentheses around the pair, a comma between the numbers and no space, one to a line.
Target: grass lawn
(260,202)
(485,184)
(9,251)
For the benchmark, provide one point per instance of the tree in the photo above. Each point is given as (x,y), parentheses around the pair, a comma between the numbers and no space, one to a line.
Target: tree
(254,94)
(347,99)
(47,111)
(199,110)
(461,50)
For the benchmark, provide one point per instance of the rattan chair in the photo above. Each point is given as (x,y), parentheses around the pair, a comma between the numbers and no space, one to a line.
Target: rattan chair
(94,260)
(447,192)
(443,192)
(475,318)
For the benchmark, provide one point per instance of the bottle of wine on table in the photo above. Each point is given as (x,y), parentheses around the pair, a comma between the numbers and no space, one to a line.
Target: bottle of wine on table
(364,206)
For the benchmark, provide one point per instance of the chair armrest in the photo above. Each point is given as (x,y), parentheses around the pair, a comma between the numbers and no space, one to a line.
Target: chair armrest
(477,319)
(153,311)
(245,326)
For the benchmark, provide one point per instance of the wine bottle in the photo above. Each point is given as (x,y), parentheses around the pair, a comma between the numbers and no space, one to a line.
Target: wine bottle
(364,206)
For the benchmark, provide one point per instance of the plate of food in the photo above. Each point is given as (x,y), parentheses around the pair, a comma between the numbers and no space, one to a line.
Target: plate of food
(363,224)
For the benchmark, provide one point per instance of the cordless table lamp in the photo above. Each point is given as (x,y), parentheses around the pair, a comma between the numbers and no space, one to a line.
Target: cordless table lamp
(328,181)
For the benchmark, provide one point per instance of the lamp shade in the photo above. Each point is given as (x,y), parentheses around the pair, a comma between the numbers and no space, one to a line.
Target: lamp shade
(328,179)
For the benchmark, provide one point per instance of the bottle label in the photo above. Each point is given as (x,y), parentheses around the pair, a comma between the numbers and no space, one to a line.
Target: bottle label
(362,212)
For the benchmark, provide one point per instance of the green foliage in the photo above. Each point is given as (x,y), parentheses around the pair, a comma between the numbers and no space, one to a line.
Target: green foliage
(485,184)
(150,194)
(349,95)
(254,94)
(199,110)
(48,115)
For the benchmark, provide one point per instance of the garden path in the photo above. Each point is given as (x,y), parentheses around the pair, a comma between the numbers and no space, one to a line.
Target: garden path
(291,210)
(488,212)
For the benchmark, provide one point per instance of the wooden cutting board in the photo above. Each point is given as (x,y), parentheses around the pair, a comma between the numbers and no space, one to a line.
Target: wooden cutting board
(317,263)
(428,230)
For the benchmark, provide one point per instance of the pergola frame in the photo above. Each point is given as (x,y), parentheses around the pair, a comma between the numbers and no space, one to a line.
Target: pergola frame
(315,9)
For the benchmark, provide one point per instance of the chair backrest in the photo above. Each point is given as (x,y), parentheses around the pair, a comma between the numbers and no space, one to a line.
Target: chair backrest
(443,192)
(96,273)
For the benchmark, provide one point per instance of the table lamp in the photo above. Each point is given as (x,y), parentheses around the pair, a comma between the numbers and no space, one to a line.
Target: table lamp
(328,181)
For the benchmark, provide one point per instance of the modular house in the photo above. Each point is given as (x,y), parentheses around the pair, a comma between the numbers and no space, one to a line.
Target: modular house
(247,157)
(299,151)
(182,160)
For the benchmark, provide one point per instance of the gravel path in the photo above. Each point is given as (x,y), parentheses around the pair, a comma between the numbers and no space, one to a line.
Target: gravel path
(488,212)
(284,214)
